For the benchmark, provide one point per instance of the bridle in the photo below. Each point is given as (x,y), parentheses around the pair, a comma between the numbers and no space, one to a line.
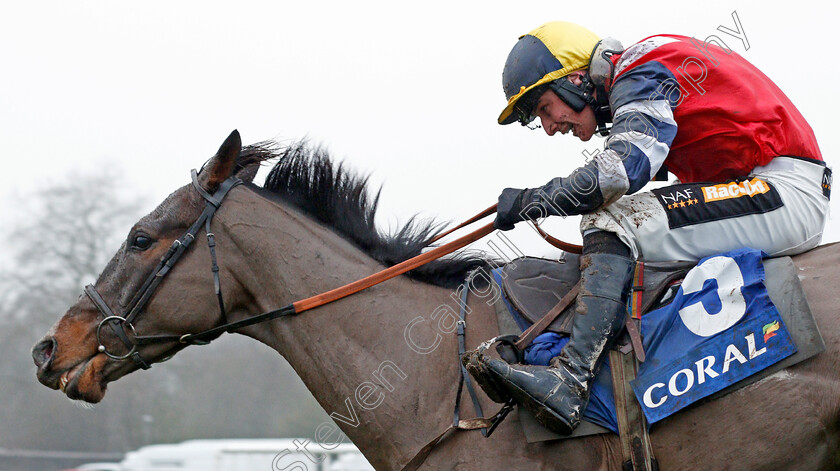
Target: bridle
(121,325)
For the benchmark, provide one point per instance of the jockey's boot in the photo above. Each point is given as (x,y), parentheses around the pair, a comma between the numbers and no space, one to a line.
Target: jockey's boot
(558,394)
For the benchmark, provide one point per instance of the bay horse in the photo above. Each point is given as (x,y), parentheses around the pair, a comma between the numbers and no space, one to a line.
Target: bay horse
(384,362)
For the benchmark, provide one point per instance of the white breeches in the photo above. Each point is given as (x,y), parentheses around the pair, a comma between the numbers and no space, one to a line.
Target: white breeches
(642,220)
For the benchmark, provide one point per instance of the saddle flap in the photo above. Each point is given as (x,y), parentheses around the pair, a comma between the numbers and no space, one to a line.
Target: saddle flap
(534,285)
(657,276)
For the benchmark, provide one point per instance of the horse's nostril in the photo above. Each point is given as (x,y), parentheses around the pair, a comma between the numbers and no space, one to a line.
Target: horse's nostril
(42,352)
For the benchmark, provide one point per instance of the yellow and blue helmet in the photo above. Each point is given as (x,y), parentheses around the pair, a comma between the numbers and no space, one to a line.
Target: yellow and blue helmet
(537,62)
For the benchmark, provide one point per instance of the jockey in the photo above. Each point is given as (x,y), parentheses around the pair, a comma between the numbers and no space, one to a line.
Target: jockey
(695,109)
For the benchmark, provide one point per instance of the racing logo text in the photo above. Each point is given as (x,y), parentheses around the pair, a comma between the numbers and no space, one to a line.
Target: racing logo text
(735,190)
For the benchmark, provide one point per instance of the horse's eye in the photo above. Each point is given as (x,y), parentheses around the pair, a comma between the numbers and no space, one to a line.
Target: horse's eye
(141,242)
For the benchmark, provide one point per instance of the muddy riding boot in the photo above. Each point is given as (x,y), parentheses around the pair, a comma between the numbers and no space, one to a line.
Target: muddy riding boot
(558,394)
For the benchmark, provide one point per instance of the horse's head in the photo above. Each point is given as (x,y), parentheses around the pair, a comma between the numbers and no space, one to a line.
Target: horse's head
(81,354)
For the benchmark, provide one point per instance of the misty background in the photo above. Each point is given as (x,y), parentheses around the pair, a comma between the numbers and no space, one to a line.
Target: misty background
(106,106)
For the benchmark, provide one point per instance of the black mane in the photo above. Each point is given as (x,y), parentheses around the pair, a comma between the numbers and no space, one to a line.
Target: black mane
(307,178)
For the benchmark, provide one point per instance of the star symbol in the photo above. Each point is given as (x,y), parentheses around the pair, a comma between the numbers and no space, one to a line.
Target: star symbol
(682,204)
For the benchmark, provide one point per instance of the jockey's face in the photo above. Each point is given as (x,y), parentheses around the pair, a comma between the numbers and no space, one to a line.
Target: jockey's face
(555,115)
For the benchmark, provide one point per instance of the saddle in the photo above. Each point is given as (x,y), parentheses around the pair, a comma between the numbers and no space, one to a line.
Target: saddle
(534,285)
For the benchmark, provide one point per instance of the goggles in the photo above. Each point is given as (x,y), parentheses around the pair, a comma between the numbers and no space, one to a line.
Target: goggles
(575,96)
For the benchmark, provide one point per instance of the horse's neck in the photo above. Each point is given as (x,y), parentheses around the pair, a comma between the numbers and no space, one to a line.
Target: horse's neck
(383,362)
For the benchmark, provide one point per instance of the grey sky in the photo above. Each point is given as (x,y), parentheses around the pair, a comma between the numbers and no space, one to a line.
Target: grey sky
(407,91)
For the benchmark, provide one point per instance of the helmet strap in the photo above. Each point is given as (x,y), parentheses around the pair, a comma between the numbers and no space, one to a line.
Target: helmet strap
(601,71)
(603,113)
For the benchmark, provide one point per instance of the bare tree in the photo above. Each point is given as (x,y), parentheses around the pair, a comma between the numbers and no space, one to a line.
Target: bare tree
(64,234)
(67,233)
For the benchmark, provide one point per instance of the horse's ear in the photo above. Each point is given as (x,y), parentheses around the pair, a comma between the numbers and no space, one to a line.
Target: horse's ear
(221,166)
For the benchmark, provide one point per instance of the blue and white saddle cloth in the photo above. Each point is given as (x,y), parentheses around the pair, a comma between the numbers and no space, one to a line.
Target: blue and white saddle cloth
(720,328)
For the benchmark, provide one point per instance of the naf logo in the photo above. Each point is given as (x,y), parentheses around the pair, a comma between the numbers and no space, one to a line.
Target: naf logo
(695,203)
(826,182)
(679,198)
(720,328)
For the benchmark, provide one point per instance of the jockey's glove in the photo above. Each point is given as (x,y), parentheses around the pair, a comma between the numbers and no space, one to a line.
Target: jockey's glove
(509,210)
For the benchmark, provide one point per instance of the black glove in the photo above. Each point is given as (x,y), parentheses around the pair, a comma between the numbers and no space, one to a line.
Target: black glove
(508,209)
(560,196)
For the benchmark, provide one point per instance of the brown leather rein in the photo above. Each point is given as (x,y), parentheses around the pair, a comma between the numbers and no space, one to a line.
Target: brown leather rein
(565,246)
(122,324)
(381,276)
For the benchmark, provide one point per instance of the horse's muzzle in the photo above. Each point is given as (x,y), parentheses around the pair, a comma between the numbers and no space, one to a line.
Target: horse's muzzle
(42,352)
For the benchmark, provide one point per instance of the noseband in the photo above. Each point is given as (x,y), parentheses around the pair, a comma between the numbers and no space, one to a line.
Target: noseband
(121,325)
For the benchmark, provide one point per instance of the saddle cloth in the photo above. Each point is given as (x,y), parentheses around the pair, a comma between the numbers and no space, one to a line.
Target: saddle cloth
(536,275)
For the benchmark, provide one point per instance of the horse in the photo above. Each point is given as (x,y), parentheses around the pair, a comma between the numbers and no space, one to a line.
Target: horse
(384,362)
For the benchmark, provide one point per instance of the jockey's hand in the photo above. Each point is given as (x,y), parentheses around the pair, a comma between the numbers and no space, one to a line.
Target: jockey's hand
(509,209)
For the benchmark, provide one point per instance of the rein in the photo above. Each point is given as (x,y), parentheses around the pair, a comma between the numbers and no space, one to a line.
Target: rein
(121,325)
(565,246)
